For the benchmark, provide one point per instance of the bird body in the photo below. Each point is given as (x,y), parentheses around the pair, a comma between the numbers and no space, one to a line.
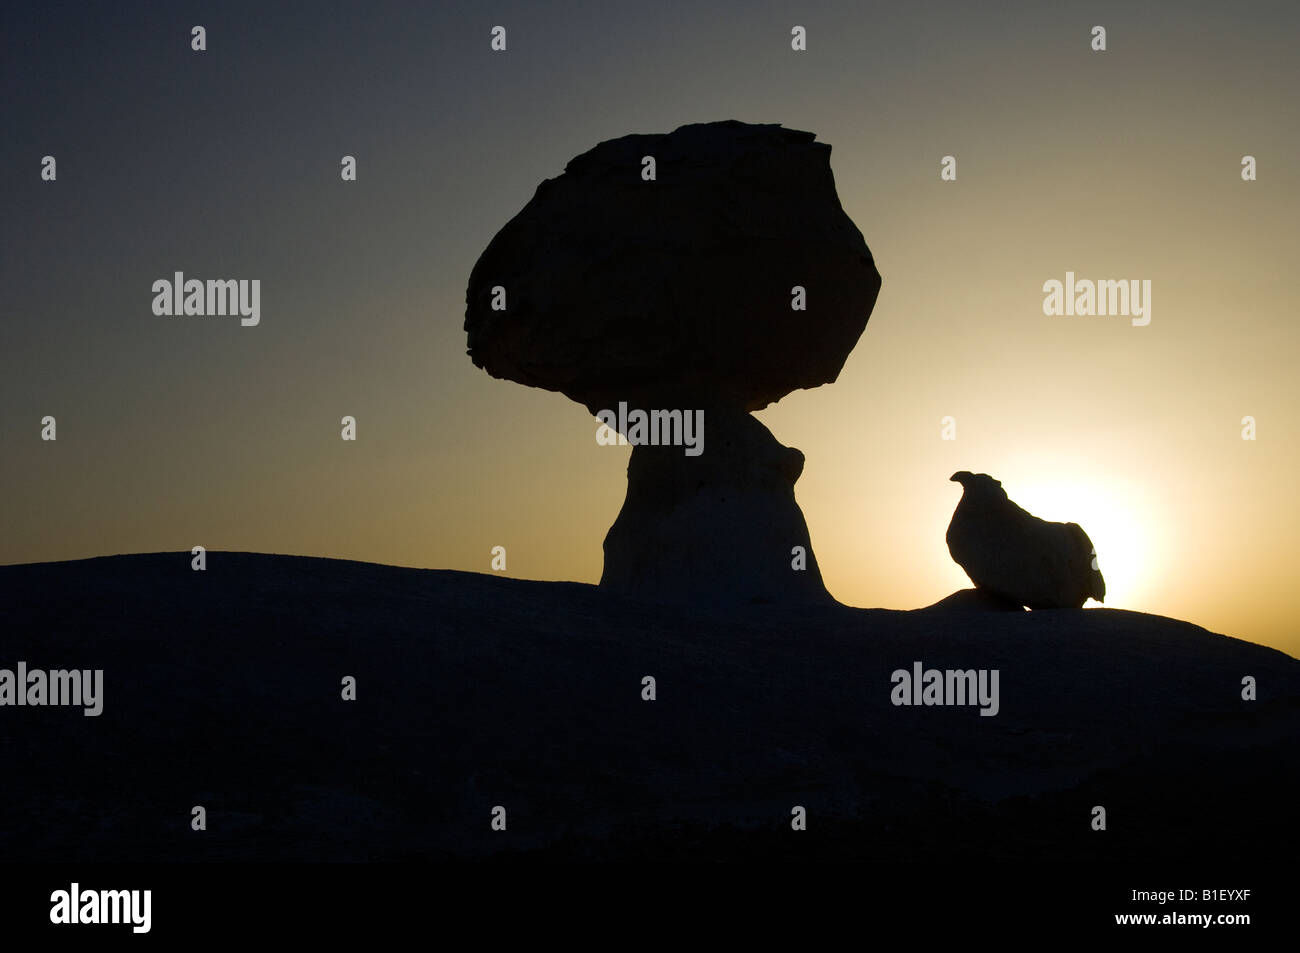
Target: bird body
(1017,556)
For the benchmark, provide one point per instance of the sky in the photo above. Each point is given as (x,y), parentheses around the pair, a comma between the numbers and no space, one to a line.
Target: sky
(1122,164)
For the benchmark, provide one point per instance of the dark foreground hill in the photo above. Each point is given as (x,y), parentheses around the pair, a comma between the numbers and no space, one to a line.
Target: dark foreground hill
(223,689)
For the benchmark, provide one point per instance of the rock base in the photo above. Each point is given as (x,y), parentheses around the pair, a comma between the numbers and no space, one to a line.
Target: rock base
(718,528)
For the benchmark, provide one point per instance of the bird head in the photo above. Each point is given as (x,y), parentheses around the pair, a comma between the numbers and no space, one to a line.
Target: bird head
(980,484)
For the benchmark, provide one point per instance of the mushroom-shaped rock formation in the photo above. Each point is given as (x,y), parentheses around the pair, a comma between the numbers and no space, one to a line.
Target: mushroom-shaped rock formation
(713,270)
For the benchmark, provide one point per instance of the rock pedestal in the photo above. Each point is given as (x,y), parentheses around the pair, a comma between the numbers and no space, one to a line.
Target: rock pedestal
(721,527)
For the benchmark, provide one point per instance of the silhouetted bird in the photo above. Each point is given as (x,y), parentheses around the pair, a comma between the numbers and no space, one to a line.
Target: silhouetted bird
(1017,556)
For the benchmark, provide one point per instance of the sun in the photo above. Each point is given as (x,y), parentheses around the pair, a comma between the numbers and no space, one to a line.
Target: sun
(1114,517)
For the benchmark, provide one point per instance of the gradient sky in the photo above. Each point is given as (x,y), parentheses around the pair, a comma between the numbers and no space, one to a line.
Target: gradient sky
(174,432)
